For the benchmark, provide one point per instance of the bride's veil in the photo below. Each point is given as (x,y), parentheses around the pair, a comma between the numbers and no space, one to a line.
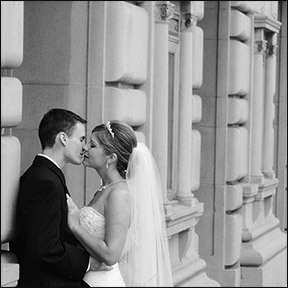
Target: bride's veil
(146,260)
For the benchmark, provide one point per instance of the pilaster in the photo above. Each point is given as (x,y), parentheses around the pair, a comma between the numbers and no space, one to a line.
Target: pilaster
(184,193)
(264,246)
(269,108)
(257,108)
(188,267)
(162,13)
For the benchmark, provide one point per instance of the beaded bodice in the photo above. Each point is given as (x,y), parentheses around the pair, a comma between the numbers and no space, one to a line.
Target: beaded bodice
(92,221)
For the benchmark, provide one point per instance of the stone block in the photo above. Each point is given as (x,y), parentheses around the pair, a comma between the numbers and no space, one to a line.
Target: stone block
(240,25)
(12,21)
(128,105)
(126,43)
(11,102)
(239,68)
(197,66)
(10,174)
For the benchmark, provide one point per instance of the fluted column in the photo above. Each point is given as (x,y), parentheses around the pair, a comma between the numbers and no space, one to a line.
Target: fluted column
(257,109)
(184,193)
(269,113)
(163,12)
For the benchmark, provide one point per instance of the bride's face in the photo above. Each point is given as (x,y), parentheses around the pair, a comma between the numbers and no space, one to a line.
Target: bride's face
(95,156)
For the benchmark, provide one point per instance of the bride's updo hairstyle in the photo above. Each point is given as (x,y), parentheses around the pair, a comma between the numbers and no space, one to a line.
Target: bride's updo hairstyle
(119,138)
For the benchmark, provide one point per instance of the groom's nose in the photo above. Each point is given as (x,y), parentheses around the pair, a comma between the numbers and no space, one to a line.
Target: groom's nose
(85,148)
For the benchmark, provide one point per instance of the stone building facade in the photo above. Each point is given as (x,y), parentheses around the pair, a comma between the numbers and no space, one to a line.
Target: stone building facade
(203,84)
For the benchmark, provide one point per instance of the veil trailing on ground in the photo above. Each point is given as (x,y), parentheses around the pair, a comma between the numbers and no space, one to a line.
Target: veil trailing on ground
(146,261)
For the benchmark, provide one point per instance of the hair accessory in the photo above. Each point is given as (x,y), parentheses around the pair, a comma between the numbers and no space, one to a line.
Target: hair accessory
(108,126)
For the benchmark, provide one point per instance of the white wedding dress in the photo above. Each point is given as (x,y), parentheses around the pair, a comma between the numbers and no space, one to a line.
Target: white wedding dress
(145,260)
(94,223)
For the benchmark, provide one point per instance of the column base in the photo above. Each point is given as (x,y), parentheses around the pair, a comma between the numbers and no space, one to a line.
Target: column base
(192,275)
(260,250)
(188,201)
(269,174)
(201,280)
(260,229)
(272,274)
(228,277)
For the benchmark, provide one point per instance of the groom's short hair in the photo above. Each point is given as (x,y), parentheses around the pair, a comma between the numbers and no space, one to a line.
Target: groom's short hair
(54,121)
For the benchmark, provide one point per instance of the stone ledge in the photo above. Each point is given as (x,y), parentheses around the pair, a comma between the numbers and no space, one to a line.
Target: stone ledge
(260,250)
(181,218)
(9,274)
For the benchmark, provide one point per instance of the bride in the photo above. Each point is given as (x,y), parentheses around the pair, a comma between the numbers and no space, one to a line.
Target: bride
(123,226)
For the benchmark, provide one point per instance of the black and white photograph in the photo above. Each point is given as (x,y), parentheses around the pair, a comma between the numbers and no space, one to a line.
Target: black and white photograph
(143,144)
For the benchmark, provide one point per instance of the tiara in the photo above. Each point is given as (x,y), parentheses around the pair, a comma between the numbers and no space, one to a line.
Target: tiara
(108,126)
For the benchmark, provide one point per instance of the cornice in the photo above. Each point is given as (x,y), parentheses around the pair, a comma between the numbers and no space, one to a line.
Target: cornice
(268,23)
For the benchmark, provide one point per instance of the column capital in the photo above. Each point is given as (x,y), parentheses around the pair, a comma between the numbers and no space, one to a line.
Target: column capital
(164,11)
(260,46)
(271,50)
(188,21)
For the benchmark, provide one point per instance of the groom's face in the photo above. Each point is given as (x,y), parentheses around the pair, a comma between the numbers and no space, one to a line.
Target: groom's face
(76,146)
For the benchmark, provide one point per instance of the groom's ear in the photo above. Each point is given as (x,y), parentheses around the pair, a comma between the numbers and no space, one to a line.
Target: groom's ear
(62,137)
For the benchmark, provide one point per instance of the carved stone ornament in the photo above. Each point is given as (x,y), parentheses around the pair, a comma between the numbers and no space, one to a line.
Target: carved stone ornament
(272,49)
(262,9)
(165,11)
(188,20)
(260,46)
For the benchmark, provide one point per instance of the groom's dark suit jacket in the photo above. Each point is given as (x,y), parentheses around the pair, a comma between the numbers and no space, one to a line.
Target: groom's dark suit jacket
(46,250)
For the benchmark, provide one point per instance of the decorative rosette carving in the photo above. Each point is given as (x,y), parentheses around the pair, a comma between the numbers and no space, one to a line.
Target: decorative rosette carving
(165,11)
(260,46)
(188,20)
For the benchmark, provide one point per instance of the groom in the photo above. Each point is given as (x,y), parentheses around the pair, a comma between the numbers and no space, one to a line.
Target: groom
(48,253)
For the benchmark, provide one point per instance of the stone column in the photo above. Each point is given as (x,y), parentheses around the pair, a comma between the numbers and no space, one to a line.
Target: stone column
(184,194)
(269,110)
(163,13)
(257,108)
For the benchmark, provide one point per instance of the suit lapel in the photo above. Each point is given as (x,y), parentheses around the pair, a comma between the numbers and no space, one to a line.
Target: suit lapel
(49,164)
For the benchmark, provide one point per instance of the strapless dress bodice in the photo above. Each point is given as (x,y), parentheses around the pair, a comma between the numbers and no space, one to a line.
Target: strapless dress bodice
(92,221)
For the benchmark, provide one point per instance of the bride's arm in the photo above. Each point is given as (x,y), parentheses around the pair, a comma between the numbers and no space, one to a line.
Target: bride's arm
(117,213)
